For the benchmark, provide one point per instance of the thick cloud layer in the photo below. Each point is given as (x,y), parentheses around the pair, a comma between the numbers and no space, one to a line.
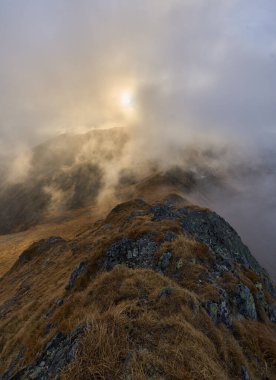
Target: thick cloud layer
(202,73)
(193,64)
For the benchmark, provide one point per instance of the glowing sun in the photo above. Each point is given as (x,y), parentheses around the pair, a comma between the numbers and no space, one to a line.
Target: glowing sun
(126,99)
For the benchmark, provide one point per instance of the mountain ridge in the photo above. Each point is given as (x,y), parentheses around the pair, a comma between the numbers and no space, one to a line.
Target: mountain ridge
(160,289)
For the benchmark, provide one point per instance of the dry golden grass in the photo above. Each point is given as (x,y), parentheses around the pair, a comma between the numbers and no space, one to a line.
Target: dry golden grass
(65,226)
(139,324)
(132,331)
(259,341)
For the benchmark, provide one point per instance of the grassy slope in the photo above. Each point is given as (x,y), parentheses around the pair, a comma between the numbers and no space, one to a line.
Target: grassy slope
(132,331)
(65,226)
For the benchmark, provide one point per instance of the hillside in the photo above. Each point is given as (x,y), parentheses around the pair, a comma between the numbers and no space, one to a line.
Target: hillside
(102,168)
(156,289)
(62,174)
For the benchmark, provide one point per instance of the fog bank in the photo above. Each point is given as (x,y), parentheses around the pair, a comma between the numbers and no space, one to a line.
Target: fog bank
(202,76)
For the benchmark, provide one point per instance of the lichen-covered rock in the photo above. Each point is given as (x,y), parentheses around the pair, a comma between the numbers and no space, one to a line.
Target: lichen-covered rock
(219,312)
(166,210)
(132,253)
(244,302)
(179,264)
(212,309)
(209,228)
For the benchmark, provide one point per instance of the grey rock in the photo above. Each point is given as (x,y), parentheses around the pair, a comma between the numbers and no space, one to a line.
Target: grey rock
(244,302)
(179,264)
(75,274)
(133,253)
(262,303)
(59,302)
(245,375)
(161,212)
(219,312)
(272,313)
(165,260)
(223,240)
(224,314)
(166,210)
(212,310)
(56,355)
(170,236)
(55,239)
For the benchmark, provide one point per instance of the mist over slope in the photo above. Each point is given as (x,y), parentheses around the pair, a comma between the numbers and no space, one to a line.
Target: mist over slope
(103,167)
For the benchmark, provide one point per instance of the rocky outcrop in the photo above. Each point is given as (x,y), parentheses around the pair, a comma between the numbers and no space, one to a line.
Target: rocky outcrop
(56,355)
(223,240)
(204,226)
(133,253)
(75,274)
(244,302)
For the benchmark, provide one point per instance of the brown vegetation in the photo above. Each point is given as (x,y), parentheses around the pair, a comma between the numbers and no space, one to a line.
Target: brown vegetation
(138,323)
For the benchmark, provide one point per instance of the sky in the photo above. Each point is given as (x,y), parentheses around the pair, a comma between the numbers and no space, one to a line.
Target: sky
(197,72)
(192,65)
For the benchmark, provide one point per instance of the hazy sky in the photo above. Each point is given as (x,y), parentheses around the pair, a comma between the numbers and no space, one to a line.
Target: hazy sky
(192,64)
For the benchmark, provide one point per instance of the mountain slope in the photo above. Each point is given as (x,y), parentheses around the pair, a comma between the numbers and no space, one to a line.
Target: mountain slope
(101,168)
(160,289)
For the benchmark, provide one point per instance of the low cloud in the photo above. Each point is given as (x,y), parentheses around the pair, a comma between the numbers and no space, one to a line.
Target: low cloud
(203,78)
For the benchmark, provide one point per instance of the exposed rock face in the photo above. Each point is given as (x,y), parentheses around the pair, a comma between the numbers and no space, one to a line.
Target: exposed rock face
(245,375)
(224,243)
(245,303)
(57,354)
(211,229)
(272,313)
(75,274)
(219,312)
(133,253)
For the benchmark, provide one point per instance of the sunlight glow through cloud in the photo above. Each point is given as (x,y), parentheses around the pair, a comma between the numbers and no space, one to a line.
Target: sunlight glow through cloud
(126,99)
